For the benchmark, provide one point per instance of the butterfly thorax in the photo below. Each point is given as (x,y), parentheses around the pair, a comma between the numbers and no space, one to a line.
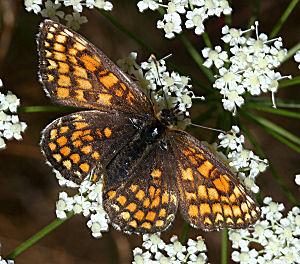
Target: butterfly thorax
(167,118)
(130,156)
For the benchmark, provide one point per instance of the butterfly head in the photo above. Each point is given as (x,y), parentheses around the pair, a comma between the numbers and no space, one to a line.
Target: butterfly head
(168,118)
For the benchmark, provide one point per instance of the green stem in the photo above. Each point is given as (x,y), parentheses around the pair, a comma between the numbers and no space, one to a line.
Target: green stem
(224,245)
(289,82)
(197,58)
(39,109)
(38,236)
(207,40)
(184,232)
(291,52)
(271,168)
(283,18)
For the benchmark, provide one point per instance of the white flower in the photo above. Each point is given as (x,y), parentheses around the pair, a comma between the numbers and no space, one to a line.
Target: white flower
(33,5)
(140,257)
(129,64)
(232,141)
(106,5)
(153,242)
(171,24)
(63,205)
(51,11)
(145,4)
(297,57)
(98,223)
(297,179)
(76,4)
(4,261)
(245,257)
(216,57)
(196,19)
(75,20)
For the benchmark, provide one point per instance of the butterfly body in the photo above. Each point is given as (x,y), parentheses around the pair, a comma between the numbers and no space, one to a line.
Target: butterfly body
(150,168)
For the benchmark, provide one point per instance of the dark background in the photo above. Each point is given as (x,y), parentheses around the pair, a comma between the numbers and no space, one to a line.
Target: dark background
(28,188)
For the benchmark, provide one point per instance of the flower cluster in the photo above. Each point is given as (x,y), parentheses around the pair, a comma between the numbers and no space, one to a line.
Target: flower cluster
(10,126)
(52,9)
(168,90)
(251,66)
(156,251)
(276,237)
(243,161)
(194,13)
(87,202)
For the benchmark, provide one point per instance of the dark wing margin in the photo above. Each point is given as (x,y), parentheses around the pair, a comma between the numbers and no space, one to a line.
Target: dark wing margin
(81,144)
(147,202)
(74,72)
(211,197)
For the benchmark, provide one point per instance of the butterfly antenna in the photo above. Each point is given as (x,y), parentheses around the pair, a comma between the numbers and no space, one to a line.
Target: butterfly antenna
(215,129)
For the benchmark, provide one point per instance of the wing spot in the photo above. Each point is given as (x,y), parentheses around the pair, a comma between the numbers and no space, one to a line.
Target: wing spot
(84,167)
(224,199)
(133,187)
(67,164)
(236,211)
(155,202)
(122,200)
(63,67)
(131,207)
(96,155)
(159,223)
(151,191)
(63,129)
(237,192)
(140,195)
(213,194)
(64,81)
(52,65)
(162,212)
(88,138)
(72,59)
(116,207)
(80,72)
(104,99)
(57,157)
(165,198)
(193,211)
(219,218)
(62,93)
(222,184)
(68,32)
(193,160)
(48,54)
(62,141)
(133,224)
(202,192)
(59,47)
(125,215)
(46,44)
(217,208)
(229,221)
(207,221)
(129,98)
(53,134)
(205,168)
(61,38)
(80,95)
(200,156)
(86,149)
(52,29)
(187,174)
(84,84)
(75,158)
(52,146)
(89,63)
(240,221)
(156,173)
(247,217)
(107,132)
(146,203)
(205,208)
(190,196)
(112,194)
(146,225)
(59,56)
(232,198)
(77,143)
(119,92)
(72,51)
(50,35)
(65,151)
(78,46)
(227,210)
(109,80)
(151,216)
(139,215)
(80,125)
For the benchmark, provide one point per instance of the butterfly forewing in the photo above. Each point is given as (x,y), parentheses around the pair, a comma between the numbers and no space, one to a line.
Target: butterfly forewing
(210,195)
(74,72)
(81,144)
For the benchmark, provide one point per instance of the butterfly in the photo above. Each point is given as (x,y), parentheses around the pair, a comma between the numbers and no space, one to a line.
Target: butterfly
(149,167)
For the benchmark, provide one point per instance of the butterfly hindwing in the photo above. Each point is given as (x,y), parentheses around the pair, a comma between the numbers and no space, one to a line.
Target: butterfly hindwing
(211,197)
(146,202)
(81,144)
(74,72)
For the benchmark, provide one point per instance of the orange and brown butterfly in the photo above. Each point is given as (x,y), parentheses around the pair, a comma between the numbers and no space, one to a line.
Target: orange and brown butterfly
(149,168)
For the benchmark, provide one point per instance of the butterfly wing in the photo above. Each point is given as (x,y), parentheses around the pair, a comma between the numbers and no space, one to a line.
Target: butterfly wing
(74,72)
(211,197)
(81,144)
(146,202)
